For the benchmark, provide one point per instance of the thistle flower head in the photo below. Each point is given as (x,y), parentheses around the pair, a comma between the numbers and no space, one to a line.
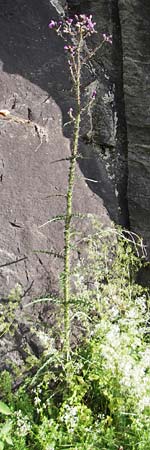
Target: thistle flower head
(85,23)
(70,48)
(94,93)
(70,112)
(69,21)
(80,23)
(107,38)
(52,24)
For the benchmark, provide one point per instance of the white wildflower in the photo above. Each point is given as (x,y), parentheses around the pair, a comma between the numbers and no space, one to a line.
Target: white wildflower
(23,424)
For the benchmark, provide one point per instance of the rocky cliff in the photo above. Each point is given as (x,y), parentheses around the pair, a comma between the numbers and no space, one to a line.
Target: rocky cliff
(122,122)
(35,96)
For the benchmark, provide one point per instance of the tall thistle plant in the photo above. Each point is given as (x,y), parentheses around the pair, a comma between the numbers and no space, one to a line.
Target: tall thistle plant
(74,33)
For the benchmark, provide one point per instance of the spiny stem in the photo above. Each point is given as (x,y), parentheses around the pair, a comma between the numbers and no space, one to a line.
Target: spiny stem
(67,231)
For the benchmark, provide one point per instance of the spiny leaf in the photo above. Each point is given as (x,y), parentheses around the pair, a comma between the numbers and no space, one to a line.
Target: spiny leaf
(40,300)
(47,362)
(53,219)
(55,195)
(47,252)
(68,158)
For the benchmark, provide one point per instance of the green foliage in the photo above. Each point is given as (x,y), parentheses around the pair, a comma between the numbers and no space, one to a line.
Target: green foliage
(5,427)
(8,310)
(4,409)
(104,403)
(6,386)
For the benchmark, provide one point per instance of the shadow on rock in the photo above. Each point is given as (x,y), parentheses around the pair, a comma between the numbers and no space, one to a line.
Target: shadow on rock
(29,49)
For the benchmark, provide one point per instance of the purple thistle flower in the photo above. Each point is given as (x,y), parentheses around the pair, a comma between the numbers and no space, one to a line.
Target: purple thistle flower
(70,111)
(89,24)
(94,93)
(107,38)
(52,24)
(69,21)
(82,17)
(86,23)
(110,39)
(70,49)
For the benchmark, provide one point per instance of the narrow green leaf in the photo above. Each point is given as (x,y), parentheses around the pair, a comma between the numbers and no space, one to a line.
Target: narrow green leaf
(9,440)
(40,300)
(53,219)
(4,409)
(6,429)
(1,445)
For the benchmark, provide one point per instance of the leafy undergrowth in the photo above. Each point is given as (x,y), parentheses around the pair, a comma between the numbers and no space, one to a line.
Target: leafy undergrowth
(100,398)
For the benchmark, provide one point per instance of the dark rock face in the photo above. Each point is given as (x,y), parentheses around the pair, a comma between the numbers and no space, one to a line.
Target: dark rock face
(135,28)
(34,85)
(109,133)
(122,125)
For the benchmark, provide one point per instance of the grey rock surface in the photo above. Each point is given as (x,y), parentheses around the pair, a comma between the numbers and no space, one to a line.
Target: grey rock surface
(135,29)
(34,85)
(121,118)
